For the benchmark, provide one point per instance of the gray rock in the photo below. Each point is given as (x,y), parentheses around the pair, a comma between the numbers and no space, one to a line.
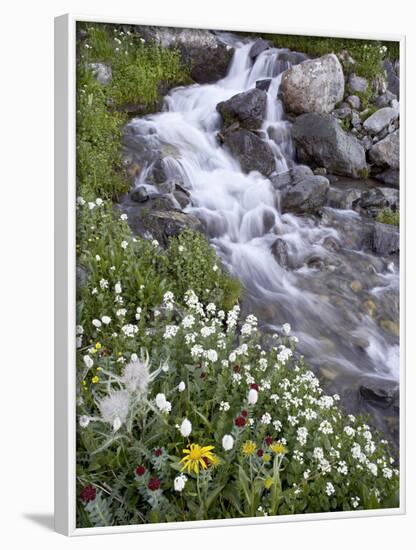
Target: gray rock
(342,198)
(163,224)
(203,51)
(299,172)
(101,71)
(280,251)
(258,47)
(354,101)
(291,57)
(393,80)
(252,152)
(81,277)
(373,200)
(263,84)
(247,108)
(281,180)
(386,153)
(306,196)
(384,100)
(139,194)
(321,141)
(389,177)
(379,391)
(392,197)
(386,239)
(380,119)
(357,83)
(315,85)
(342,113)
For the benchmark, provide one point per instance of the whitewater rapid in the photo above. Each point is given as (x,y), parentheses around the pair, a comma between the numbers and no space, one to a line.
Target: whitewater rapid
(240,214)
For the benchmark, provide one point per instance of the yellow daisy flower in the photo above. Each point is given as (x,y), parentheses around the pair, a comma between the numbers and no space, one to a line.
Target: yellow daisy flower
(267,457)
(248,448)
(278,448)
(197,456)
(268,482)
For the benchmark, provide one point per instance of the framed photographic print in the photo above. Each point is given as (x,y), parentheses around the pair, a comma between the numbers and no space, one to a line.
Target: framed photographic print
(229,301)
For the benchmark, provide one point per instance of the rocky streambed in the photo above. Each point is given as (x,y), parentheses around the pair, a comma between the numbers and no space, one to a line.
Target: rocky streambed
(272,155)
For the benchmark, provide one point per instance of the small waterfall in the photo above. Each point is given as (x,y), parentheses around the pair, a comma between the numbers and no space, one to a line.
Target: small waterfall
(241,217)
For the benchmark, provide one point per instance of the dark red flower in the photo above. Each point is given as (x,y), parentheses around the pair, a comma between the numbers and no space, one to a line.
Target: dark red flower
(268,440)
(244,413)
(260,452)
(140,470)
(254,386)
(237,368)
(240,421)
(88,494)
(157,452)
(203,375)
(154,483)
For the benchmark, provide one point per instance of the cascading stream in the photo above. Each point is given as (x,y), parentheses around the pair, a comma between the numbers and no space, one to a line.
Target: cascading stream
(241,217)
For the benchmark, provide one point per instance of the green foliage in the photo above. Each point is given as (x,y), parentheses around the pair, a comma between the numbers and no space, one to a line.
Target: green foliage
(367,54)
(192,264)
(138,68)
(387,215)
(145,271)
(98,141)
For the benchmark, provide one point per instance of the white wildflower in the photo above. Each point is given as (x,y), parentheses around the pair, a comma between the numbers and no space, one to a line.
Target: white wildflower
(228,442)
(114,408)
(330,489)
(106,319)
(181,386)
(129,330)
(266,418)
(224,406)
(286,328)
(162,404)
(136,376)
(186,428)
(96,323)
(88,361)
(170,331)
(84,421)
(179,482)
(253,396)
(124,245)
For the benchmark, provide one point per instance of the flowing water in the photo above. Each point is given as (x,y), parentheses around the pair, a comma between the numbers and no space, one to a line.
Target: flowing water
(240,214)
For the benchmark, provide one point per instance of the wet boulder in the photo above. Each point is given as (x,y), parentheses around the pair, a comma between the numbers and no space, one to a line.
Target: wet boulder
(306,196)
(379,391)
(163,224)
(386,152)
(280,251)
(247,109)
(139,194)
(389,177)
(380,119)
(258,47)
(316,85)
(263,84)
(343,198)
(386,239)
(321,141)
(253,153)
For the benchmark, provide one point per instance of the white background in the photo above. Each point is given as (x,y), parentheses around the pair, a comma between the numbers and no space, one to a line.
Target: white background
(26,130)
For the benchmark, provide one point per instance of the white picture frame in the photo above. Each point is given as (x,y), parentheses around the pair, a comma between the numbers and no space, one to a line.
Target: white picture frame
(65,286)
